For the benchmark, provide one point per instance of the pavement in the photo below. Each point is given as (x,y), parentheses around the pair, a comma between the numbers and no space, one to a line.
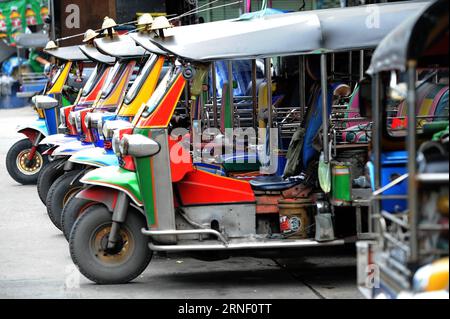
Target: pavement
(35,260)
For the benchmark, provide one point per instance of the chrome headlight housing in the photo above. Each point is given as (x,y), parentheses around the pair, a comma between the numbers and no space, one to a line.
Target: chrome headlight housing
(62,120)
(72,118)
(138,145)
(109,127)
(87,120)
(96,121)
(116,143)
(78,121)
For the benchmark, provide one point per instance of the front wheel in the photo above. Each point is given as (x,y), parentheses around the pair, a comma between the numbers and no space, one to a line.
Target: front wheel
(74,208)
(88,247)
(19,165)
(48,176)
(61,191)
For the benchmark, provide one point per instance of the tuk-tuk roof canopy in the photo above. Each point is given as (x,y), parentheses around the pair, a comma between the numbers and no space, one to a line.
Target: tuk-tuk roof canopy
(32,40)
(120,47)
(423,37)
(71,53)
(308,32)
(143,39)
(96,56)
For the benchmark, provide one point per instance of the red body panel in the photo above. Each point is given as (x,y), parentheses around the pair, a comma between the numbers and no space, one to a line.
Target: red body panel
(163,114)
(106,196)
(202,188)
(180,160)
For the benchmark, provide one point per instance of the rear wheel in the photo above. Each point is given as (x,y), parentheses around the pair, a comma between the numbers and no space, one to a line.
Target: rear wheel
(61,191)
(20,167)
(48,176)
(88,247)
(74,208)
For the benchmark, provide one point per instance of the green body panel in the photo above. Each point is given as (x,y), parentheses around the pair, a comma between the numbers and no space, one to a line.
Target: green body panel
(145,181)
(117,178)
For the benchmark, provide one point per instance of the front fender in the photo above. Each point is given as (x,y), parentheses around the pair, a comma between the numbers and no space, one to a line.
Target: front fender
(106,196)
(116,178)
(97,157)
(58,139)
(37,126)
(71,148)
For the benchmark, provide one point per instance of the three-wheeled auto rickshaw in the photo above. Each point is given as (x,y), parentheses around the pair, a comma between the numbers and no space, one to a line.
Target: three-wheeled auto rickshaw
(25,158)
(68,131)
(150,67)
(408,255)
(158,200)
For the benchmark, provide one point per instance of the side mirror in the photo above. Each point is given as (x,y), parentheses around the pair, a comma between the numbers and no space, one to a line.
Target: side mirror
(44,102)
(365,98)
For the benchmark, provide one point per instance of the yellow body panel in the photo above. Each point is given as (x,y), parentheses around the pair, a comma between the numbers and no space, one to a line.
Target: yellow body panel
(59,83)
(145,92)
(117,95)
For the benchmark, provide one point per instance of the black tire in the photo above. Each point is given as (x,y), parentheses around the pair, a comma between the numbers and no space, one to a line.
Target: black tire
(59,194)
(89,235)
(48,176)
(17,169)
(74,208)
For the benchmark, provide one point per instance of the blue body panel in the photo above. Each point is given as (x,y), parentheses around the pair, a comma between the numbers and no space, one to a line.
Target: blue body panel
(97,157)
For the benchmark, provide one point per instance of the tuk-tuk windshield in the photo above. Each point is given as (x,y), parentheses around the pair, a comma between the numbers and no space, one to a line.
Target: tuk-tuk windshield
(112,78)
(140,80)
(93,80)
(57,75)
(165,84)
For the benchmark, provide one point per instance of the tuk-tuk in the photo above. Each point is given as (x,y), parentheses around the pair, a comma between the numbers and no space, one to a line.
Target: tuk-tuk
(159,200)
(408,255)
(68,132)
(99,153)
(25,159)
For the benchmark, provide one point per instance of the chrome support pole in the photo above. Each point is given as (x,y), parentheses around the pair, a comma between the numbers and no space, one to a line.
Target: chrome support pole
(268,69)
(361,65)
(231,89)
(214,94)
(302,86)
(376,143)
(325,117)
(411,142)
(333,65)
(254,96)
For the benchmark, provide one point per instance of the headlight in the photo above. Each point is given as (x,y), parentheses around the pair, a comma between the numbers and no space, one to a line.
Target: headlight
(72,118)
(62,119)
(116,143)
(78,121)
(96,121)
(87,120)
(108,131)
(138,145)
(110,126)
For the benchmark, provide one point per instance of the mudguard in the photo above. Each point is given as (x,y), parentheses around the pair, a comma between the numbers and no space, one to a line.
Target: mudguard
(71,148)
(106,196)
(58,139)
(117,178)
(35,126)
(97,157)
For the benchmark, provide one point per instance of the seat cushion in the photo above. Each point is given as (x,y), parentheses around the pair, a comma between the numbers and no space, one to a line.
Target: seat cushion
(272,183)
